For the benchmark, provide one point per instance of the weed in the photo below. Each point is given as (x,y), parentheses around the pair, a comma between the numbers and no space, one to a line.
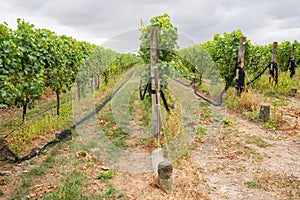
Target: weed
(103,176)
(201,130)
(227,121)
(3,182)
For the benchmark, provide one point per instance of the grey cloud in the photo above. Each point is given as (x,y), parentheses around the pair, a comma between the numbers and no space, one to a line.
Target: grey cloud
(199,20)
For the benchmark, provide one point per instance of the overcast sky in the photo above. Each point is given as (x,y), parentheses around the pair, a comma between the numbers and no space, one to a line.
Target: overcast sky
(116,22)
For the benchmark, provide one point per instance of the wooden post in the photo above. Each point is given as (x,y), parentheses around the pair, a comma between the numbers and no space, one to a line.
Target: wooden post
(156,119)
(274,51)
(241,55)
(241,60)
(165,170)
(293,51)
(264,113)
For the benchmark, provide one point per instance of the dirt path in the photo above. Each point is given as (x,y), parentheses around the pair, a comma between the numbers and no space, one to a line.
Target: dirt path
(241,160)
(237,160)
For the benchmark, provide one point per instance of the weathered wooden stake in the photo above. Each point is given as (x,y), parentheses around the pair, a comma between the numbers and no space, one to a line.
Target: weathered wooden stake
(264,113)
(165,181)
(274,52)
(154,55)
(293,51)
(241,55)
(241,60)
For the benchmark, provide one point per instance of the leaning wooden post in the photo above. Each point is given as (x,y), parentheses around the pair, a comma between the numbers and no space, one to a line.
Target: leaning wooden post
(156,119)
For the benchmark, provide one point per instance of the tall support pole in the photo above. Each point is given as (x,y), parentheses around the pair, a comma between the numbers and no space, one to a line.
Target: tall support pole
(274,69)
(274,52)
(240,75)
(241,55)
(293,51)
(154,55)
(292,64)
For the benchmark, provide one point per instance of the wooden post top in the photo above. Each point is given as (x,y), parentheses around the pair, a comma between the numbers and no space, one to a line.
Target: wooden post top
(274,51)
(242,51)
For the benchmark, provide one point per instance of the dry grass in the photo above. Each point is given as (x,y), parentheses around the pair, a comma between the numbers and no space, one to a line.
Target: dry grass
(246,102)
(282,184)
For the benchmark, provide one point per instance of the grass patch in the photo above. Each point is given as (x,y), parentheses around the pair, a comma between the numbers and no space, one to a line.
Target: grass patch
(252,115)
(39,127)
(253,184)
(23,189)
(201,130)
(140,110)
(111,130)
(229,131)
(252,139)
(285,84)
(278,102)
(272,124)
(37,172)
(70,189)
